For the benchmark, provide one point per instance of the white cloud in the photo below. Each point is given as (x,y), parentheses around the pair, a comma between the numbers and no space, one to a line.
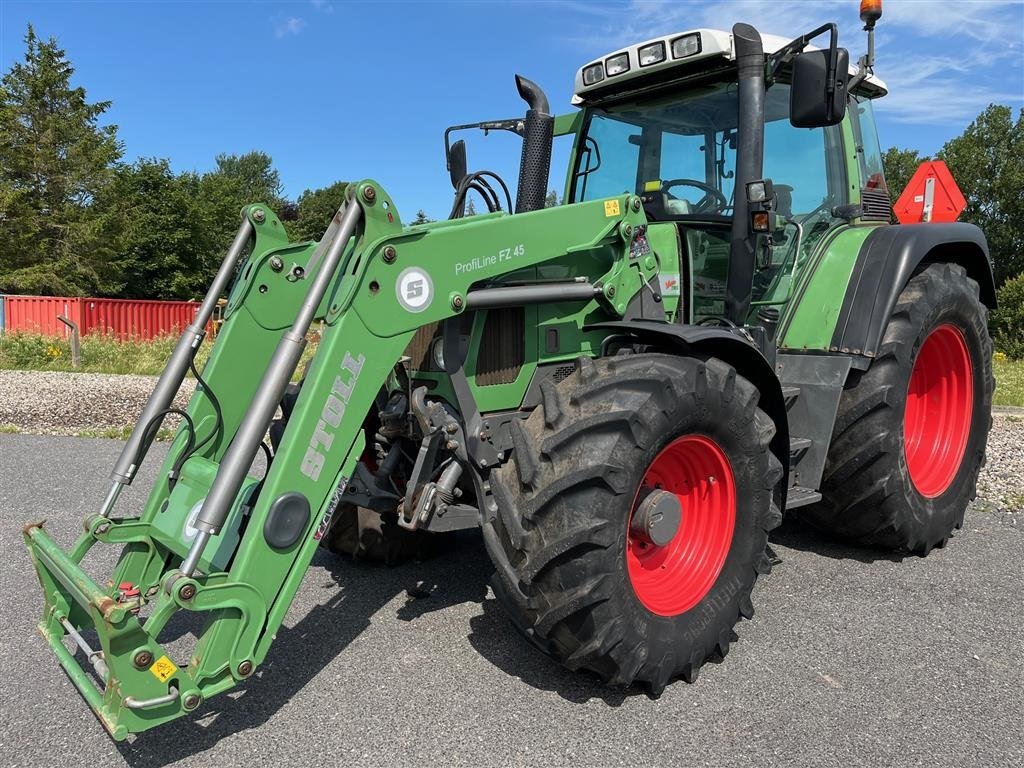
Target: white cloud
(984,20)
(291,25)
(323,6)
(937,89)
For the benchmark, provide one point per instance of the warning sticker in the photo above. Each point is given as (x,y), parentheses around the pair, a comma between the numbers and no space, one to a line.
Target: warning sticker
(669,283)
(163,668)
(611,208)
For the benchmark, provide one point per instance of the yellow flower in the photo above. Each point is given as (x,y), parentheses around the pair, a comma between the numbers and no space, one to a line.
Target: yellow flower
(999,357)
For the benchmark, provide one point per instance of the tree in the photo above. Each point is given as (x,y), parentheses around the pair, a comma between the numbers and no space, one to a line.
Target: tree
(987,161)
(153,240)
(421,218)
(900,165)
(54,159)
(253,177)
(470,208)
(551,199)
(315,209)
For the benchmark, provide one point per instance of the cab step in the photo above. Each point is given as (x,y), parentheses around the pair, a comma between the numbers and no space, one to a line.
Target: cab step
(801,497)
(789,395)
(797,448)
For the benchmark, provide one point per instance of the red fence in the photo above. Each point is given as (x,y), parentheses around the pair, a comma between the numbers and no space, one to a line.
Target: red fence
(122,317)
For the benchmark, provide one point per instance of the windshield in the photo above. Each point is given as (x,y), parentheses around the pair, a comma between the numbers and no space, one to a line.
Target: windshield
(679,152)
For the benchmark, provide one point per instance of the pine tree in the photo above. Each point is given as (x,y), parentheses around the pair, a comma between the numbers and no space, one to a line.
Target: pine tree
(54,159)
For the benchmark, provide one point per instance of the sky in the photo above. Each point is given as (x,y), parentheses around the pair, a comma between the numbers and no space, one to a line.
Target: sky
(335,90)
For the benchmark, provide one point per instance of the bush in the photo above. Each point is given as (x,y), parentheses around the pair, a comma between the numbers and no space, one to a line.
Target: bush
(1007,322)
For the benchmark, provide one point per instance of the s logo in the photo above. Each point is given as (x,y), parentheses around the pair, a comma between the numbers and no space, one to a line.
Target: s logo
(414,289)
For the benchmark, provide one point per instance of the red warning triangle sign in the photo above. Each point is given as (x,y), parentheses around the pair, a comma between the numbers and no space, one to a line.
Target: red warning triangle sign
(931,195)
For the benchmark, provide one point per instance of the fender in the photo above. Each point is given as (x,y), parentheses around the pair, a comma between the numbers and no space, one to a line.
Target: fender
(888,258)
(737,352)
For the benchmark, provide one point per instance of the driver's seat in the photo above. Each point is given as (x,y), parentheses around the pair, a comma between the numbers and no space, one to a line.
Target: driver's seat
(674,206)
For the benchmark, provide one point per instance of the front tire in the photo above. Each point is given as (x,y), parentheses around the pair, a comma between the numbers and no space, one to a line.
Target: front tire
(575,575)
(910,433)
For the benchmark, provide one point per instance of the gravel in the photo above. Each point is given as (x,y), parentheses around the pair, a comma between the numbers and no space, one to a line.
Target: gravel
(58,403)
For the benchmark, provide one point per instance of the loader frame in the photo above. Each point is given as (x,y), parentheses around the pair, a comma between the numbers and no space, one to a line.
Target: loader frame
(366,329)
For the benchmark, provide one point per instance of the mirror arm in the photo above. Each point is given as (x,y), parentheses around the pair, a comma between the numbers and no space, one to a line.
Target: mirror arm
(785,54)
(515,125)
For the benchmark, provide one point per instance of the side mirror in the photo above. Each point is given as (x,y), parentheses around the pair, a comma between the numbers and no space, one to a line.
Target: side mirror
(457,167)
(817,95)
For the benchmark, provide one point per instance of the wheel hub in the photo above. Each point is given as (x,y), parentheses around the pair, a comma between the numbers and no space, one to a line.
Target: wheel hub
(673,559)
(656,518)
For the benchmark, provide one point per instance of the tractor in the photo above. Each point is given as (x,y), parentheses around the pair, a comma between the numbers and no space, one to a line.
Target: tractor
(624,393)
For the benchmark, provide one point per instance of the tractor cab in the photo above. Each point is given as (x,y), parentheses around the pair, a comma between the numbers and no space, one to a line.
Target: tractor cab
(663,120)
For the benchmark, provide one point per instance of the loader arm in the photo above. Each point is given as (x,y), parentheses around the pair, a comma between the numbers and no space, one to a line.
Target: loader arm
(215,537)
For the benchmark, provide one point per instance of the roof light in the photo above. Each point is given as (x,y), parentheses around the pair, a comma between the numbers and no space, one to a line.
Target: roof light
(593,74)
(651,54)
(617,64)
(870,11)
(687,45)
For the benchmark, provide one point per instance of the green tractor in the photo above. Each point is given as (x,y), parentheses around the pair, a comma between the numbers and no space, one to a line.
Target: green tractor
(625,393)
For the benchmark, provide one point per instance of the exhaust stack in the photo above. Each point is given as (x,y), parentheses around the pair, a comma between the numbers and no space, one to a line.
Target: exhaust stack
(749,166)
(538,134)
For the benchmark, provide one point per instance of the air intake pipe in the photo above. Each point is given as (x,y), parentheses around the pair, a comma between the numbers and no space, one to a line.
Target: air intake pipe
(749,167)
(538,133)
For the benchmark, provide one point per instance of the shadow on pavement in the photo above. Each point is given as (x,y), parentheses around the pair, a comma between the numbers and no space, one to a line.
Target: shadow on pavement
(460,575)
(795,533)
(298,654)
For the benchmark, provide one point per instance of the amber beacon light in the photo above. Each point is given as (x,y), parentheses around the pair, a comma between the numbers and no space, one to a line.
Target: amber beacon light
(870,12)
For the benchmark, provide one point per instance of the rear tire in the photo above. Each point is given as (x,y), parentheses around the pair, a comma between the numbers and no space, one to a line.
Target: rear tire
(910,433)
(572,574)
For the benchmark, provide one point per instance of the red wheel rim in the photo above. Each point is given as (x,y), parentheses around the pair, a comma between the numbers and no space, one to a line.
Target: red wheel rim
(937,421)
(671,579)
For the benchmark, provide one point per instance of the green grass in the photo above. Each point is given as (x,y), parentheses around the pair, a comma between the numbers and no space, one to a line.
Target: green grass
(21,351)
(100,353)
(110,433)
(1009,381)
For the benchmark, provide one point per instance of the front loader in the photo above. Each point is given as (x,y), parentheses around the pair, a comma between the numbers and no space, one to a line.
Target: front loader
(624,393)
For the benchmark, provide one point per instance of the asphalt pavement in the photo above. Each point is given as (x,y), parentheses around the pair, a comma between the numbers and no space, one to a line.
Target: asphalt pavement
(853,658)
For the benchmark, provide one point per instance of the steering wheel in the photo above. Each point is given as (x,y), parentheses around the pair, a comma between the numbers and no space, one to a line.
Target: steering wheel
(713,199)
